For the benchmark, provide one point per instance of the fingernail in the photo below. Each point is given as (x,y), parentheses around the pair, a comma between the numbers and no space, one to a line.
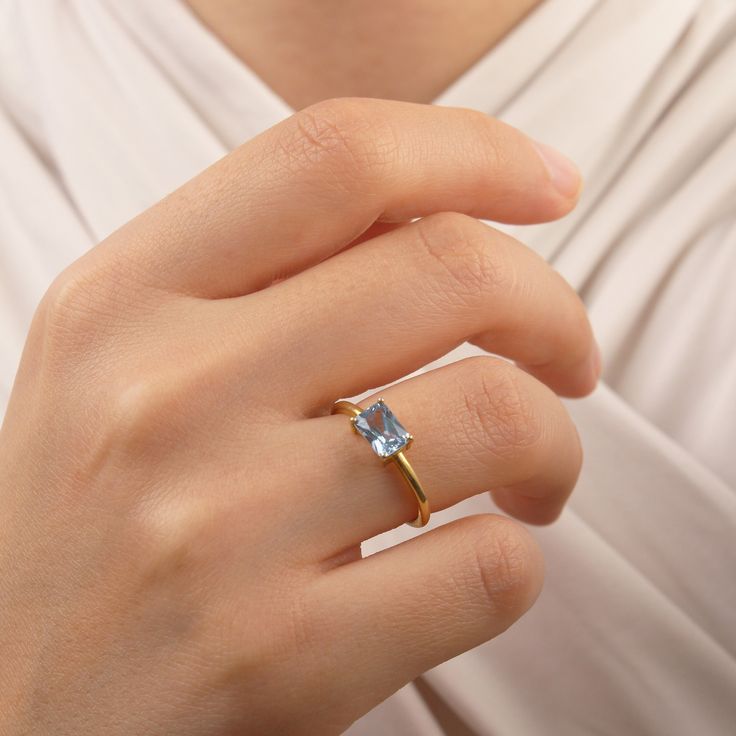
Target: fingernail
(564,174)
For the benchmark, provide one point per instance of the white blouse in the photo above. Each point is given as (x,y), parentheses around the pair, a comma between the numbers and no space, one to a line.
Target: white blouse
(106,106)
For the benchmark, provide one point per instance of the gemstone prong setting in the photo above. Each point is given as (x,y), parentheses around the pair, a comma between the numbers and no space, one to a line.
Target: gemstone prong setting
(380,426)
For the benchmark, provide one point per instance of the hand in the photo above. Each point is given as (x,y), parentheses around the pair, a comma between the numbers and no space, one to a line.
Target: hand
(182,516)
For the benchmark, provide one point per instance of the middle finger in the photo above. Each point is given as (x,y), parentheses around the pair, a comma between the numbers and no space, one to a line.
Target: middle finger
(383,309)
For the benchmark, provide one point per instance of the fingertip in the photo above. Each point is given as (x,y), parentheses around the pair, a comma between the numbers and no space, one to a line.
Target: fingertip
(589,375)
(513,567)
(568,383)
(534,511)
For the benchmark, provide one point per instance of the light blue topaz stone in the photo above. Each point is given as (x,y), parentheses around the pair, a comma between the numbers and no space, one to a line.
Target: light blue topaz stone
(382,429)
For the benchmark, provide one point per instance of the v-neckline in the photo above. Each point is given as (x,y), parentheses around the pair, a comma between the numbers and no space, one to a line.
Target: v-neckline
(463,90)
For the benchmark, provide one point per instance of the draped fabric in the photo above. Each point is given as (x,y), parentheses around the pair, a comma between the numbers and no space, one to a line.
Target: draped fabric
(106,106)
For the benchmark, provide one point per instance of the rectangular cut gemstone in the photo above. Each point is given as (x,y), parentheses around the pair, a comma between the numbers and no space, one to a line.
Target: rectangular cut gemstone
(382,429)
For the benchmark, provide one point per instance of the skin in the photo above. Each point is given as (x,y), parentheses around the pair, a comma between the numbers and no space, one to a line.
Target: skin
(393,49)
(182,516)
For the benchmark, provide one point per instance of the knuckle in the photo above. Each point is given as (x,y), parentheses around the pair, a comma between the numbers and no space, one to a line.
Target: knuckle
(72,307)
(501,419)
(177,551)
(506,566)
(347,136)
(82,313)
(141,413)
(171,536)
(571,326)
(156,410)
(463,248)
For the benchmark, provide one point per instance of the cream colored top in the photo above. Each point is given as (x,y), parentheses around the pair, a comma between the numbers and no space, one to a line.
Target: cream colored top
(105,106)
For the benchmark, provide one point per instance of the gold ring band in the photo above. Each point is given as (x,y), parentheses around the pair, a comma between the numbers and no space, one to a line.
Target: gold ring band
(389,439)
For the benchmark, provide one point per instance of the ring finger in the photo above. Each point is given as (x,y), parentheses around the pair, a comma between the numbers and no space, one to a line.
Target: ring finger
(478,424)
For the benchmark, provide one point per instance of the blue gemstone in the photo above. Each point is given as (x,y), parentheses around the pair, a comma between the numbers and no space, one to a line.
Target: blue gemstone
(382,429)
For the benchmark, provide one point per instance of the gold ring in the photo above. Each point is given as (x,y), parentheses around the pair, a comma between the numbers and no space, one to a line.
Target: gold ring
(389,439)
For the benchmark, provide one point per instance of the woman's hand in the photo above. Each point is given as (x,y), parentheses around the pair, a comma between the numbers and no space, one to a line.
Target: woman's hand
(182,517)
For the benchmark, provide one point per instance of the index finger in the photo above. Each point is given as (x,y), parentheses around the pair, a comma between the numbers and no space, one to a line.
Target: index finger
(302,190)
